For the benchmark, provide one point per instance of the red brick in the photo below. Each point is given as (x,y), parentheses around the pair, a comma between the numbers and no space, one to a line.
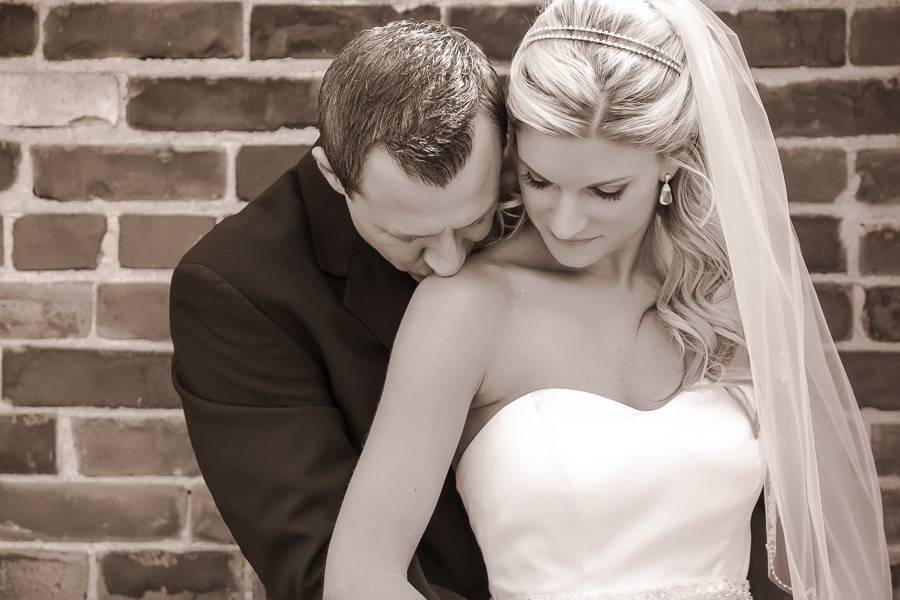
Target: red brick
(259,166)
(813,174)
(127,173)
(39,310)
(281,31)
(791,38)
(134,447)
(206,521)
(890,499)
(43,575)
(873,36)
(229,103)
(152,30)
(833,108)
(879,251)
(9,158)
(879,172)
(820,243)
(158,242)
(886,448)
(497,29)
(44,242)
(68,377)
(133,311)
(158,574)
(838,309)
(61,99)
(882,318)
(875,377)
(18,29)
(29,444)
(76,511)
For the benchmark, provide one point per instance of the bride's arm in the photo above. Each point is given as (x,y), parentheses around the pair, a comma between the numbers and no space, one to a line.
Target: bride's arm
(436,368)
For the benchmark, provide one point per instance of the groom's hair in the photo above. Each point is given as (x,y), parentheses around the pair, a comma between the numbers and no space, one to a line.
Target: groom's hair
(412,89)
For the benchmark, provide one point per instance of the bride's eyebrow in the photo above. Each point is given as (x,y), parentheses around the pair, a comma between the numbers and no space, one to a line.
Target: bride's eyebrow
(602,183)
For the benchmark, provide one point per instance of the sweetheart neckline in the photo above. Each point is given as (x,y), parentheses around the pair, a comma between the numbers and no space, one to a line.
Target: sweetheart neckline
(581,392)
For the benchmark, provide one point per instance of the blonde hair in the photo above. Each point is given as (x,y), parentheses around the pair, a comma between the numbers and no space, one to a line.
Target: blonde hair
(581,89)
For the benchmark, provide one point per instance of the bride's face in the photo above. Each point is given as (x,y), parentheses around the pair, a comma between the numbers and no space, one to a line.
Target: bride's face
(588,198)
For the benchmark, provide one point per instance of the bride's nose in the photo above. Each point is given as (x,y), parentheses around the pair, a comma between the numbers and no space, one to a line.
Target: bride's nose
(567,217)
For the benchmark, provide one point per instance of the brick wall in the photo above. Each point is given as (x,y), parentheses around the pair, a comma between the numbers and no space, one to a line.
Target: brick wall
(128,129)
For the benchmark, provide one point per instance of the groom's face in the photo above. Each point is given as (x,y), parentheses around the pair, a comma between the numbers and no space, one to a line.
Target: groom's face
(421,228)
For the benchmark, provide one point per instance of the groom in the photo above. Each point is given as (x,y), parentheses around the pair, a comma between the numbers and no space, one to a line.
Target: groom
(283,316)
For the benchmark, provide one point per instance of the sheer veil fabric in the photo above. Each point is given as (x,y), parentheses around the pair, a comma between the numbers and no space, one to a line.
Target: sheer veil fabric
(821,491)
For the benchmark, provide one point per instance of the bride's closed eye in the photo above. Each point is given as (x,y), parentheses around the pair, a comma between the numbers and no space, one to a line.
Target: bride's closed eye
(539,184)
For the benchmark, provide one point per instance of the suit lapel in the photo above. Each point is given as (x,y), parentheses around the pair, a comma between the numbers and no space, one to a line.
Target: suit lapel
(375,292)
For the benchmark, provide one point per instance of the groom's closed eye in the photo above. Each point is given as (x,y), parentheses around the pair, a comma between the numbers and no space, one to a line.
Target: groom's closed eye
(408,239)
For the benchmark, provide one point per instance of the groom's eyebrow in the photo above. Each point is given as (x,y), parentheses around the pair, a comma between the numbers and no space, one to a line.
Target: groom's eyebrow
(602,183)
(425,235)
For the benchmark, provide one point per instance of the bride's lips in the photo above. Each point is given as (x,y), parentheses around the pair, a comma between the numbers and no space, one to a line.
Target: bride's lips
(571,243)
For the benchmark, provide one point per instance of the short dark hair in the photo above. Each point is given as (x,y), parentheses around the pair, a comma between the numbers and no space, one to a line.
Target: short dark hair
(413,89)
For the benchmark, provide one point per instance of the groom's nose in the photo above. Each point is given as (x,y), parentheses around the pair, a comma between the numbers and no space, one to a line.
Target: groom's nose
(446,254)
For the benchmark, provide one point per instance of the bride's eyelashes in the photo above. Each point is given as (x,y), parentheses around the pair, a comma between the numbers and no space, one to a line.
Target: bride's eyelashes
(539,184)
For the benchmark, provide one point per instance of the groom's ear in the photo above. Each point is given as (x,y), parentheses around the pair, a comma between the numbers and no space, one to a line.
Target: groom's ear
(325,167)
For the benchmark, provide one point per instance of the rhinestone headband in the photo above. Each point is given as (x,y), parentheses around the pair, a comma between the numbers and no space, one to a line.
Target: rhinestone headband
(589,34)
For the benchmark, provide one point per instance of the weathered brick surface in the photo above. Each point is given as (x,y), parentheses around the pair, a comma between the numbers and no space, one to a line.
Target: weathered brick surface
(9,162)
(56,99)
(133,447)
(57,241)
(153,30)
(886,447)
(206,521)
(77,511)
(834,108)
(258,166)
(197,104)
(882,317)
(150,241)
(873,36)
(29,445)
(63,377)
(875,378)
(838,309)
(133,311)
(127,173)
(498,29)
(156,574)
(879,251)
(34,310)
(18,29)
(789,38)
(814,174)
(43,575)
(879,172)
(280,31)
(820,243)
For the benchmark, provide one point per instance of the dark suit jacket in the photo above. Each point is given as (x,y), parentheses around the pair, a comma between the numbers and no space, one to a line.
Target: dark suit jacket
(282,318)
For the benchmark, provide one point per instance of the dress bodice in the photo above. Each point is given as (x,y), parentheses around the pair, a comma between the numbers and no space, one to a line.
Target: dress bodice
(574,495)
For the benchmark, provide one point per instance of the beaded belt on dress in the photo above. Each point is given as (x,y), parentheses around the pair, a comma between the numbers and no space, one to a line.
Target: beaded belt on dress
(718,588)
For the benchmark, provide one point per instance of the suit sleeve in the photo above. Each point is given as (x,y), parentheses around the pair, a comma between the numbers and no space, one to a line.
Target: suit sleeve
(270,443)
(761,587)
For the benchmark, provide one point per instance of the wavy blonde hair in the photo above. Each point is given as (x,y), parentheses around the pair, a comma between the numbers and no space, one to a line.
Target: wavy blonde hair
(583,89)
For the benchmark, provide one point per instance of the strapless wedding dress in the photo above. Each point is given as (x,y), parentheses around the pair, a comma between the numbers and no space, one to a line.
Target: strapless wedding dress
(572,495)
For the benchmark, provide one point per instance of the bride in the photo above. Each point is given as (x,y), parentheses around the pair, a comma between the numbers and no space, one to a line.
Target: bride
(617,381)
